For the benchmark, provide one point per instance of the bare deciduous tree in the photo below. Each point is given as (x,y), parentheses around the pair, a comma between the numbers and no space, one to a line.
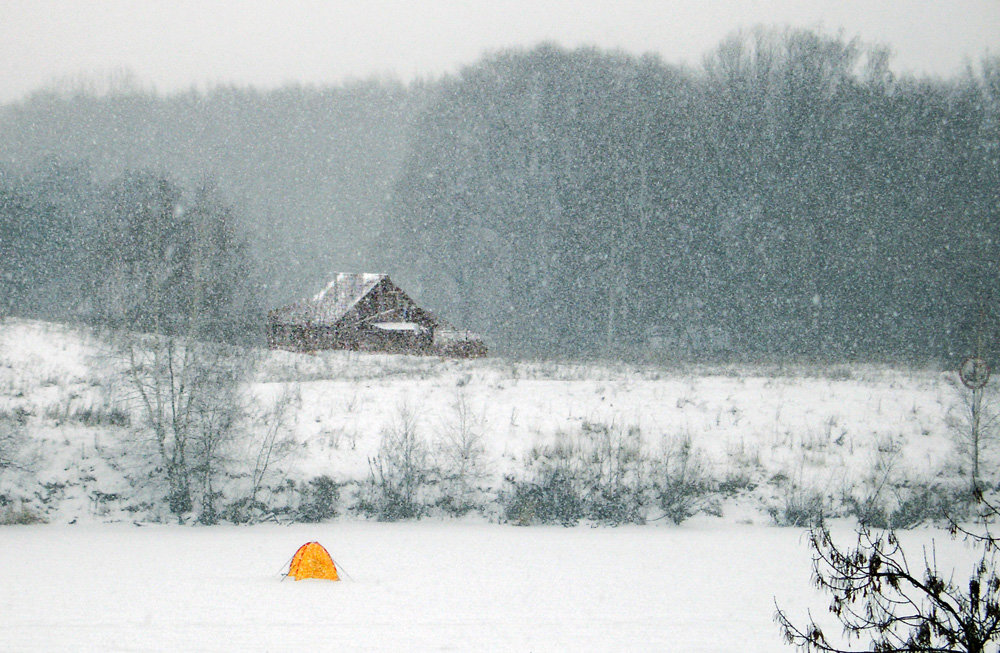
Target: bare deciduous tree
(974,425)
(272,445)
(878,595)
(187,392)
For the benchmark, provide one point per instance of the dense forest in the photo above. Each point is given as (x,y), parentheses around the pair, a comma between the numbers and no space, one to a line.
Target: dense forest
(790,196)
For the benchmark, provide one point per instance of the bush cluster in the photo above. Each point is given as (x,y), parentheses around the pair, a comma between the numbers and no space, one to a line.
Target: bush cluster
(320,497)
(908,505)
(606,476)
(17,514)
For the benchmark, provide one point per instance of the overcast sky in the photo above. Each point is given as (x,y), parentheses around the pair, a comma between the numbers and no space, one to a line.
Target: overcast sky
(174,44)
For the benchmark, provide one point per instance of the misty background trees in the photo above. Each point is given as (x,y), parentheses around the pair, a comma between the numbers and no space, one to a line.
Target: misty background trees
(789,196)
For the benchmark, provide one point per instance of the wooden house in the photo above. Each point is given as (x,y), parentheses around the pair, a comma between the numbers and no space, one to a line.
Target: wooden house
(365,312)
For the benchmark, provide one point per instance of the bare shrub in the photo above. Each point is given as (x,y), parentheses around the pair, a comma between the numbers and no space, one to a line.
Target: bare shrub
(551,490)
(320,498)
(71,408)
(887,498)
(744,470)
(399,472)
(909,504)
(103,415)
(550,498)
(615,474)
(683,486)
(462,460)
(268,442)
(797,506)
(12,444)
(600,474)
(17,514)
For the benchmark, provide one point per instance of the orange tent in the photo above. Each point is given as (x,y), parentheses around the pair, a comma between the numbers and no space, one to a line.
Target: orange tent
(312,561)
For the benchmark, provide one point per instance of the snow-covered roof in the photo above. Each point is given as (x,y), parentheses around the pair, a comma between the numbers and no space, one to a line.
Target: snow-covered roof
(399,326)
(333,302)
(349,284)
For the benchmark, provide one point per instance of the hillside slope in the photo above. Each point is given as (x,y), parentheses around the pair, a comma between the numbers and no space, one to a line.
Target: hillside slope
(749,445)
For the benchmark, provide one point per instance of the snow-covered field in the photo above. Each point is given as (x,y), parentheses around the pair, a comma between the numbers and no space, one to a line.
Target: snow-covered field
(420,586)
(91,580)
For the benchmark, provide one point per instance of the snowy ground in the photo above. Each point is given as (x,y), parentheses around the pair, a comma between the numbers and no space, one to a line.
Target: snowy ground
(444,584)
(705,586)
(827,431)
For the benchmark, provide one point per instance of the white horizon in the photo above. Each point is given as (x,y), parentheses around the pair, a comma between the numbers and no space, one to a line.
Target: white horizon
(171,47)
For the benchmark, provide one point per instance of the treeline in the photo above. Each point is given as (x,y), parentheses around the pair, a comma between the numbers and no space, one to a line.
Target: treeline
(789,196)
(139,252)
(306,170)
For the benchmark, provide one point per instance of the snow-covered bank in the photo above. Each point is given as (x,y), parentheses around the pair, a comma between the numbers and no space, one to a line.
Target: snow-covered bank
(772,438)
